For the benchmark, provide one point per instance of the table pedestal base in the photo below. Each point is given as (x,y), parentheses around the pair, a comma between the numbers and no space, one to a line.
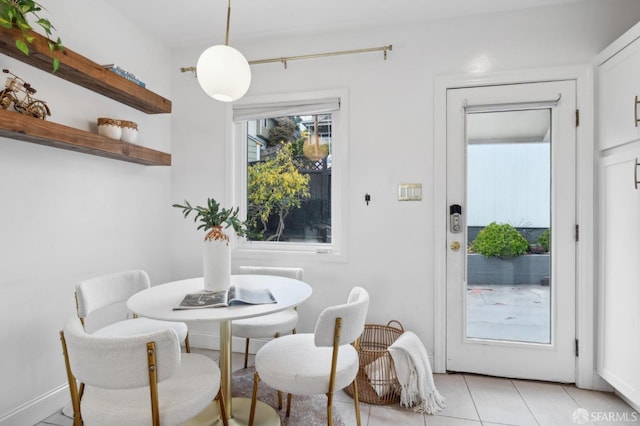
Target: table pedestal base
(266,415)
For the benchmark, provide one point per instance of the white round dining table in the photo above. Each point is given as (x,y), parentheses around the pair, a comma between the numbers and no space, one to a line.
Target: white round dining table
(158,302)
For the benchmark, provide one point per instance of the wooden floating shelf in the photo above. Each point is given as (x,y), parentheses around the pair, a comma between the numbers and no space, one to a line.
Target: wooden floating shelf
(83,72)
(23,127)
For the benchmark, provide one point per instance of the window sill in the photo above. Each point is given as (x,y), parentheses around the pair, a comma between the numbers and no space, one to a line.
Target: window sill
(315,252)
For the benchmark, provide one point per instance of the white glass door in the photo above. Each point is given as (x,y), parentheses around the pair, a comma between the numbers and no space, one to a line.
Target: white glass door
(511,236)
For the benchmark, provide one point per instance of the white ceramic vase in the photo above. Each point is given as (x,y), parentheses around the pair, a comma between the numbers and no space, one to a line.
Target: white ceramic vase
(217,263)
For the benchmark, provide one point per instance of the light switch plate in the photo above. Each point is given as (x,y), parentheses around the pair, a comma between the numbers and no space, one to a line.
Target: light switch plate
(410,192)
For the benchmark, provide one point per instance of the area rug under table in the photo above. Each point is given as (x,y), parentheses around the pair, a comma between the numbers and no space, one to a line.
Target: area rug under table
(305,410)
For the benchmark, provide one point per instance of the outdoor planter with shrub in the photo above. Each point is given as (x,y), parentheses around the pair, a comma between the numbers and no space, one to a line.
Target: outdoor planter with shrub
(496,257)
(500,240)
(544,238)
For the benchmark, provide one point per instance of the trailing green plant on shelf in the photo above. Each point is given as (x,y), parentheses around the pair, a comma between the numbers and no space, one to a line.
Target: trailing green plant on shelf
(213,219)
(14,14)
(500,240)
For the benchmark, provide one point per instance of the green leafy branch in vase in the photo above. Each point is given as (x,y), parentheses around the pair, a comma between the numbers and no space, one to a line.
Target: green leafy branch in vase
(213,219)
(13,13)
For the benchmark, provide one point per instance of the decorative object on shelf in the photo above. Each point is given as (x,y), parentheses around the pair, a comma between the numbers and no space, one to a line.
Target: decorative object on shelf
(110,128)
(13,13)
(126,131)
(129,131)
(222,71)
(126,74)
(18,92)
(216,253)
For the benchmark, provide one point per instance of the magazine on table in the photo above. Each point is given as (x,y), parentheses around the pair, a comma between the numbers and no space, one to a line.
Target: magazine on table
(223,298)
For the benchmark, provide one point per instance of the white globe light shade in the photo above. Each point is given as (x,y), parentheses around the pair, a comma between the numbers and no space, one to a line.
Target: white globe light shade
(223,73)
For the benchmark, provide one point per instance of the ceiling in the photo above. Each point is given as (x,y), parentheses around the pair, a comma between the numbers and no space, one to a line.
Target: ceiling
(205,20)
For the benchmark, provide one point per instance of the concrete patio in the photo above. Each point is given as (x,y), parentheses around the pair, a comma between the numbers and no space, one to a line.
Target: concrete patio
(519,312)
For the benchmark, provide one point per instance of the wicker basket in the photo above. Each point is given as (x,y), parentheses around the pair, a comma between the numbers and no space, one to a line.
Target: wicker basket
(377,382)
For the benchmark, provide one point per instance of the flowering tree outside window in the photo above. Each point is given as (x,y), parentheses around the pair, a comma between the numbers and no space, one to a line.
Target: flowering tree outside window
(275,187)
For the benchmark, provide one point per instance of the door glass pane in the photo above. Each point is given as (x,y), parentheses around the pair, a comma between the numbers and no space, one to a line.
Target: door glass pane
(508,225)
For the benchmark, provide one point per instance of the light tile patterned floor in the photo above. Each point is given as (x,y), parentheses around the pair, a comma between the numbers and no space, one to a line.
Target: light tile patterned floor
(479,400)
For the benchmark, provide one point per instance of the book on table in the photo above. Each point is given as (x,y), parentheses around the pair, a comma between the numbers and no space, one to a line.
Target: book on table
(223,298)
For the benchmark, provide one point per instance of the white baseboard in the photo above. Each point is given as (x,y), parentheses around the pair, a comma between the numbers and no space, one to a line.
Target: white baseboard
(600,384)
(633,405)
(38,409)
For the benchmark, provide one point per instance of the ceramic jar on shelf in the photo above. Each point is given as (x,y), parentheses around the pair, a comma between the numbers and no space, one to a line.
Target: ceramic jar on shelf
(124,130)
(129,131)
(110,128)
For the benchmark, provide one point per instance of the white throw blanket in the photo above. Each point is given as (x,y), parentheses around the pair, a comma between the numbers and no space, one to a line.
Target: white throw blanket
(413,371)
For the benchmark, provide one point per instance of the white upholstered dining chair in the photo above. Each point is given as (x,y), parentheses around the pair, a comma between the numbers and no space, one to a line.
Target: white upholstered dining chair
(321,362)
(99,296)
(272,325)
(136,380)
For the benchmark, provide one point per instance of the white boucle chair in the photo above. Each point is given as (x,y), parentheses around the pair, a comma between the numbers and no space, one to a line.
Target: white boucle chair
(103,292)
(136,380)
(316,363)
(272,325)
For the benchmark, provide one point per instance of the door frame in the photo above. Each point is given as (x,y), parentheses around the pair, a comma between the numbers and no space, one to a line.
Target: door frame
(586,376)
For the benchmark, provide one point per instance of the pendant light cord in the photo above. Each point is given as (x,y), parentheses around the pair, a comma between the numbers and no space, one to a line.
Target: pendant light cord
(226,39)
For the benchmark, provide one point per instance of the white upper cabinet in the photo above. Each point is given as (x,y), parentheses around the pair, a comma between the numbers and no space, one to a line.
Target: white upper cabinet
(619,91)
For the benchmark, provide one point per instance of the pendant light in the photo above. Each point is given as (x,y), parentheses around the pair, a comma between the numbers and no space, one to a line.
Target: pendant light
(222,71)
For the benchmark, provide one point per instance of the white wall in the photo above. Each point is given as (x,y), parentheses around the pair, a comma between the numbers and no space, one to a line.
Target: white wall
(391,137)
(66,216)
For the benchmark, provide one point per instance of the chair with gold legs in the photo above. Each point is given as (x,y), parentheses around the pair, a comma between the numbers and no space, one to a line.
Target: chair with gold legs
(321,362)
(136,380)
(101,307)
(272,325)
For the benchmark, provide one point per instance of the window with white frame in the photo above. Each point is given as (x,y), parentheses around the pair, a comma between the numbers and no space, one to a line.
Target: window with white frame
(290,157)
